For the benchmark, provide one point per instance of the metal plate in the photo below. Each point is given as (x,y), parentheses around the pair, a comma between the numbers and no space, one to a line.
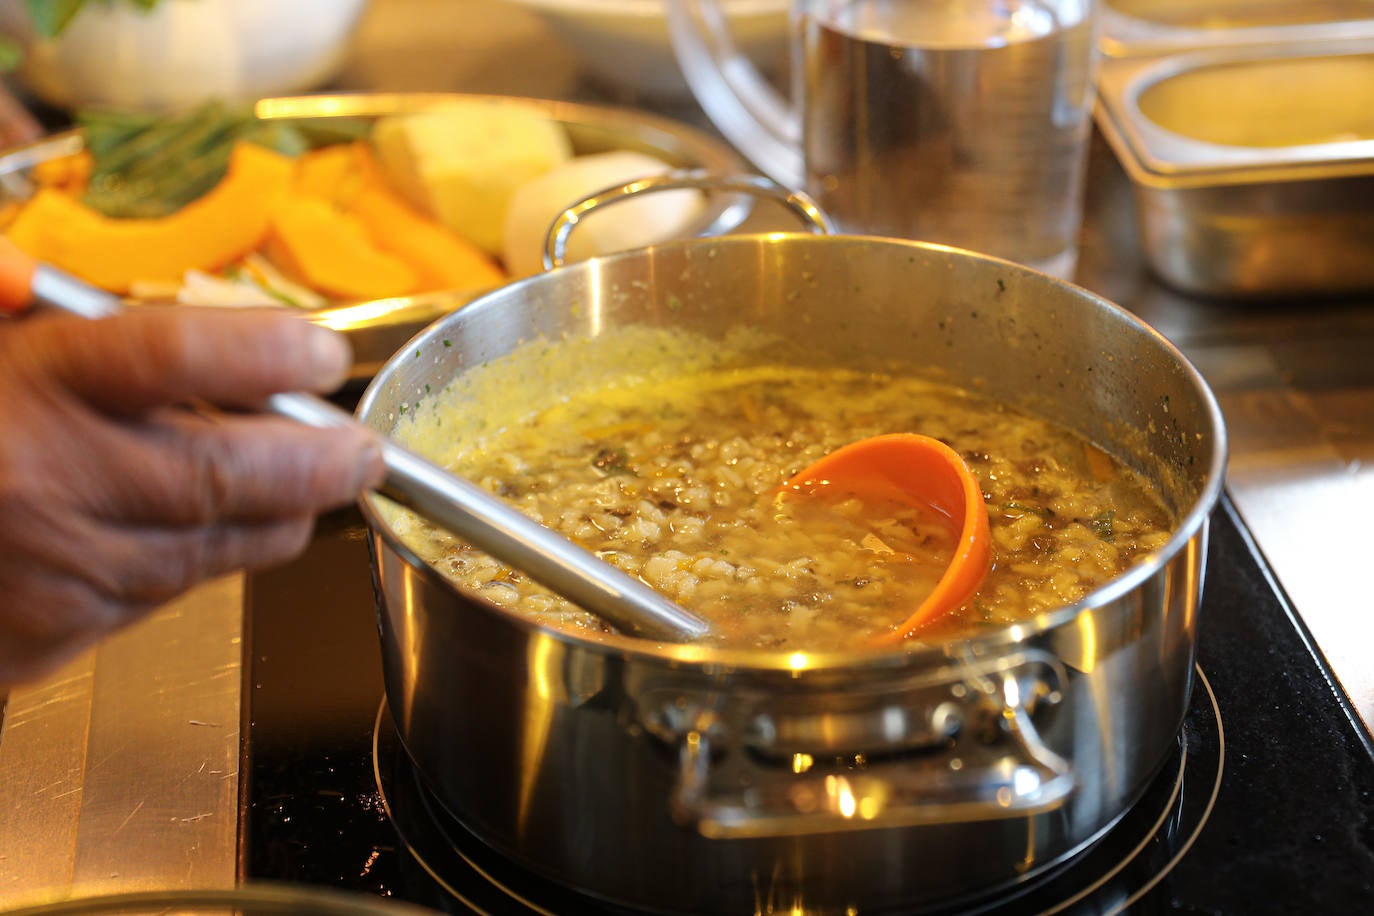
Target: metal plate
(378,328)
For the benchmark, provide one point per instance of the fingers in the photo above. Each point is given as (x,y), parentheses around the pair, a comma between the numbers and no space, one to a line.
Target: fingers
(16,278)
(186,470)
(153,565)
(113,499)
(51,618)
(165,466)
(149,357)
(104,578)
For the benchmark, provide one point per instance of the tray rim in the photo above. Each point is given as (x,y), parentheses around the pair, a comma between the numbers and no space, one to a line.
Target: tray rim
(1159,157)
(1126,36)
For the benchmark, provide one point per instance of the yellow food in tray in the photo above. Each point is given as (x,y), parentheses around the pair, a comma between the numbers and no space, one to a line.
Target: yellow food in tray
(462,164)
(214,206)
(226,223)
(349,177)
(150,205)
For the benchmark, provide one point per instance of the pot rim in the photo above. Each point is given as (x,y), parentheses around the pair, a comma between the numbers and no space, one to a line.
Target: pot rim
(977,643)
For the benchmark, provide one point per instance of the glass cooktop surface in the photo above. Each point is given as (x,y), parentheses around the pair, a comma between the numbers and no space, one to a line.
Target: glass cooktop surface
(1264,806)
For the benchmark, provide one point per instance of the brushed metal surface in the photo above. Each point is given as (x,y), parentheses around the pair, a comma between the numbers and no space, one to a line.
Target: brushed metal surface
(42,775)
(1295,378)
(1302,477)
(120,773)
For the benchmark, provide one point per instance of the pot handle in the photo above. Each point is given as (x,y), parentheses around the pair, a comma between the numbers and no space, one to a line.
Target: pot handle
(1003,782)
(800,204)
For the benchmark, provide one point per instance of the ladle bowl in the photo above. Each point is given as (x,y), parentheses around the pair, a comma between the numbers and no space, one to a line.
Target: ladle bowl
(927,473)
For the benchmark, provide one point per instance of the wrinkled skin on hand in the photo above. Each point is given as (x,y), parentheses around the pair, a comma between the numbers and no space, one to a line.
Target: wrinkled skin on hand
(114,498)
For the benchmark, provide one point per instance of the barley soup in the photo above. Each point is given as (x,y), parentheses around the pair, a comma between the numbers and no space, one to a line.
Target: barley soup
(670,473)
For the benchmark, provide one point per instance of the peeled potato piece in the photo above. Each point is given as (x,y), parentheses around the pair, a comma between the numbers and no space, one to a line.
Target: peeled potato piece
(461,162)
(628,224)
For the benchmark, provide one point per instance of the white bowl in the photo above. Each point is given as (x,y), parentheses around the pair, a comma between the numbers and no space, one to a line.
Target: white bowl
(625,43)
(183,51)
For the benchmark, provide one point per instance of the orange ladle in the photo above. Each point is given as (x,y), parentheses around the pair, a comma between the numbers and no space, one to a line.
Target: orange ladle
(912,468)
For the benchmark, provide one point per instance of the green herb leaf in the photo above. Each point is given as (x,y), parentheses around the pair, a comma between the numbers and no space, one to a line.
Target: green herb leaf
(1102,524)
(612,461)
(278,136)
(51,17)
(153,167)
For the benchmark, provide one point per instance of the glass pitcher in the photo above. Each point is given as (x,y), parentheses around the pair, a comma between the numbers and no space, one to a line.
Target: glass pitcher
(962,122)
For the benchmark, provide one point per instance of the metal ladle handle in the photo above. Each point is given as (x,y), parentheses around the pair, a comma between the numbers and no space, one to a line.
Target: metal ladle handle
(801,205)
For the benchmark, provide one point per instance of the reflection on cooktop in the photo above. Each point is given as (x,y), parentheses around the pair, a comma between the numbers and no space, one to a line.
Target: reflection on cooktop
(1300,416)
(1290,828)
(1116,872)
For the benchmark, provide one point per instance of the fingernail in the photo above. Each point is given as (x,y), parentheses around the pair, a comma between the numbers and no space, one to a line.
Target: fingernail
(329,356)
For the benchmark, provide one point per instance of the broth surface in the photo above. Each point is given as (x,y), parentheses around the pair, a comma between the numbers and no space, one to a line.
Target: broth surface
(671,476)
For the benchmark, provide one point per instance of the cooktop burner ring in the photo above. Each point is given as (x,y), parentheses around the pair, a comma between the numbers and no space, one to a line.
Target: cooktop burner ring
(1192,836)
(1157,831)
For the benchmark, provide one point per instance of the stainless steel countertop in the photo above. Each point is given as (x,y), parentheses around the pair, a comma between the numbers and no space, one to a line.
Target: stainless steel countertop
(133,748)
(1296,383)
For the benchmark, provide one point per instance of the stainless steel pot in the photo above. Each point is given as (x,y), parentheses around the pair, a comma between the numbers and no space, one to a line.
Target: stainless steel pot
(686,779)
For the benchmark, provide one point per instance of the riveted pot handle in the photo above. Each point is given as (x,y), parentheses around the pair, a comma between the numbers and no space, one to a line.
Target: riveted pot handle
(800,204)
(1014,778)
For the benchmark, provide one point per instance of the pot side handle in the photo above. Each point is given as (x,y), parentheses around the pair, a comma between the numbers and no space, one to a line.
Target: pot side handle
(801,205)
(1025,778)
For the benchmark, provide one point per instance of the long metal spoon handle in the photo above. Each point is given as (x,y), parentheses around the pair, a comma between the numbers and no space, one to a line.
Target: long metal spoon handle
(62,291)
(473,514)
(455,504)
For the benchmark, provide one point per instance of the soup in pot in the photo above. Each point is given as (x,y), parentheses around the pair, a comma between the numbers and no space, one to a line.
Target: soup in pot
(670,470)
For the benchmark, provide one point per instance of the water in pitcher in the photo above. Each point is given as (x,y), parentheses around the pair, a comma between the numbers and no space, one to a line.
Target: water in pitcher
(963,122)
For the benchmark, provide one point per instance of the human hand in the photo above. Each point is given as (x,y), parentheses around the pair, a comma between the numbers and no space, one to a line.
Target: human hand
(114,498)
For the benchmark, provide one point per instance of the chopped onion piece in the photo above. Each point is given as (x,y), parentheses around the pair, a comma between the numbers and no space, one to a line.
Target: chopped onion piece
(272,279)
(200,288)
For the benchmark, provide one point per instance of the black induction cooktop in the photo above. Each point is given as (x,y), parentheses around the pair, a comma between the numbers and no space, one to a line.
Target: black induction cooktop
(1265,806)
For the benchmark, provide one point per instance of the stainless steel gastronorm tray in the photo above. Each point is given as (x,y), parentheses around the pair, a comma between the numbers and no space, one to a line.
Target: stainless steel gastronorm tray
(378,328)
(1253,166)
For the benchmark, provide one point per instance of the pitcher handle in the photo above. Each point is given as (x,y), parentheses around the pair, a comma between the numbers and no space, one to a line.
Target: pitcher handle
(801,205)
(751,114)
